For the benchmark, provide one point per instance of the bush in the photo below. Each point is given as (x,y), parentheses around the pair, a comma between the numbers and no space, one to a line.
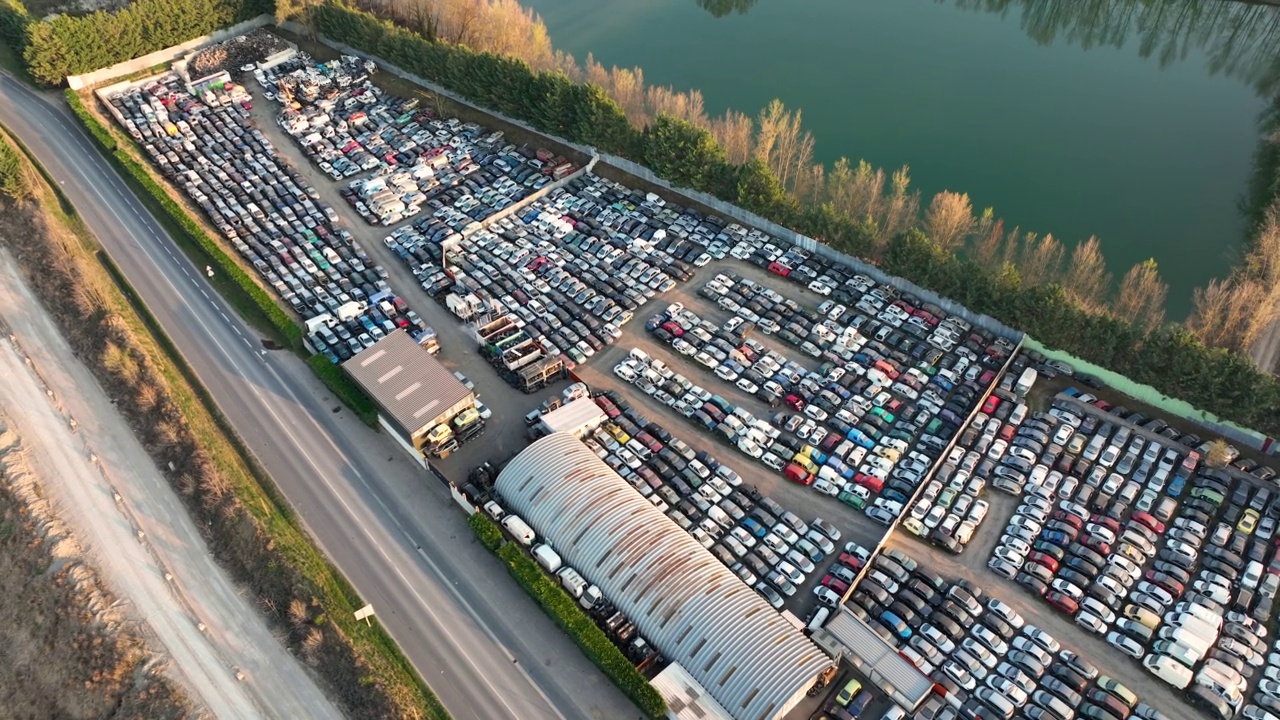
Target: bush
(70,44)
(13,25)
(486,530)
(589,638)
(344,388)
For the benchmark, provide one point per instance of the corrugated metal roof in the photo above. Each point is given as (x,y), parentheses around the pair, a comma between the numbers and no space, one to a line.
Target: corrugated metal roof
(406,381)
(684,600)
(572,417)
(686,698)
(896,676)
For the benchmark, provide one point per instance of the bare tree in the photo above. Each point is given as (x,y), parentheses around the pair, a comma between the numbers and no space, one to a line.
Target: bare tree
(1141,297)
(949,219)
(1223,312)
(987,245)
(903,205)
(1040,259)
(1218,453)
(1087,280)
(734,130)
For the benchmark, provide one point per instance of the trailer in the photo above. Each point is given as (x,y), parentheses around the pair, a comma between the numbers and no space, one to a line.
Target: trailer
(463,306)
(494,329)
(540,374)
(520,355)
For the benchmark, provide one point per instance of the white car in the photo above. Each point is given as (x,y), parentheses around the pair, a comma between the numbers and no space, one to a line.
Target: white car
(1125,644)
(626,372)
(1002,609)
(826,487)
(773,461)
(1091,622)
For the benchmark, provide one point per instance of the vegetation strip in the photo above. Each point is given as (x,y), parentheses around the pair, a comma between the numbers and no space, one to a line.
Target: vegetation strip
(569,616)
(250,530)
(239,289)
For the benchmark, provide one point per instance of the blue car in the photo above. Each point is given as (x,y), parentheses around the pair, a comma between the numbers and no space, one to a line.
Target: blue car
(1177,485)
(857,437)
(754,527)
(1057,537)
(894,495)
(896,624)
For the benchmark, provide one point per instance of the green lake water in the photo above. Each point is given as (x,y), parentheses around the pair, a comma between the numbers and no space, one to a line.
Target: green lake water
(1135,121)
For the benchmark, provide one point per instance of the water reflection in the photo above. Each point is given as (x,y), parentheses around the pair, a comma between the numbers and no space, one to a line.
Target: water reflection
(1240,39)
(720,8)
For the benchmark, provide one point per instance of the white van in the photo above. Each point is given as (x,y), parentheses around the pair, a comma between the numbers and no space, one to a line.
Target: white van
(494,510)
(1190,637)
(519,529)
(1187,656)
(1224,674)
(1168,669)
(819,617)
(590,597)
(549,559)
(573,583)
(1200,611)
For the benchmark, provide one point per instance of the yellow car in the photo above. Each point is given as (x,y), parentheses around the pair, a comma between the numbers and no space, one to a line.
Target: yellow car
(848,693)
(1248,522)
(803,461)
(618,434)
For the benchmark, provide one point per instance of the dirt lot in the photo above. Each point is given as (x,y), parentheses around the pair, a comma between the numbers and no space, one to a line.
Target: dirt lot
(80,455)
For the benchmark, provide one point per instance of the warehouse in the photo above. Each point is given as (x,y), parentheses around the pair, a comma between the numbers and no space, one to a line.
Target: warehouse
(577,418)
(755,664)
(413,391)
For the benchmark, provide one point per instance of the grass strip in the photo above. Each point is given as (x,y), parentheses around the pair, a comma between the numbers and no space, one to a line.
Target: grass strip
(569,616)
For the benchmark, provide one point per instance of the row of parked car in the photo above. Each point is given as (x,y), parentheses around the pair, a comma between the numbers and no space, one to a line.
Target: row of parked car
(268,213)
(769,548)
(990,661)
(1117,529)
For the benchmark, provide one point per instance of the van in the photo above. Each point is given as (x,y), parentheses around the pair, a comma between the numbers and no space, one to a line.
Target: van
(494,510)
(1223,674)
(1191,637)
(1168,669)
(819,618)
(519,529)
(590,597)
(1194,624)
(572,582)
(549,559)
(1187,656)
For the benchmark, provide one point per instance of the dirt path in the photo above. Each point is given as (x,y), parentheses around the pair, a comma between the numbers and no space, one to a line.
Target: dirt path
(133,527)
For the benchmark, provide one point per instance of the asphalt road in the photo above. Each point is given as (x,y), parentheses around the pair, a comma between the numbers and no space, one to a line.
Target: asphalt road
(373,511)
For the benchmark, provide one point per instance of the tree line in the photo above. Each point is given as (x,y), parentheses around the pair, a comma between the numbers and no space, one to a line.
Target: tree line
(69,45)
(1065,299)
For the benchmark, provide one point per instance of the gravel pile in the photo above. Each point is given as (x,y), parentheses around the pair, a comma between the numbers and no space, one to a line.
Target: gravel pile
(234,53)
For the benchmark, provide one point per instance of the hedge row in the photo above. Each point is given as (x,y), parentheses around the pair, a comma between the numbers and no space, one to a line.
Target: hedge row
(567,614)
(73,44)
(257,299)
(486,530)
(344,388)
(1169,358)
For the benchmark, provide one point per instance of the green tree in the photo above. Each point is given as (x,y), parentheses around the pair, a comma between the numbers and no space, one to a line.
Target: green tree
(683,153)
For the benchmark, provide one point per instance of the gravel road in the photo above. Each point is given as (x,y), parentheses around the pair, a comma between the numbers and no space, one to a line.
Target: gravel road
(134,528)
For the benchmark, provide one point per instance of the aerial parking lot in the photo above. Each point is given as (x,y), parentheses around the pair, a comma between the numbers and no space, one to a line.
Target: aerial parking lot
(1052,556)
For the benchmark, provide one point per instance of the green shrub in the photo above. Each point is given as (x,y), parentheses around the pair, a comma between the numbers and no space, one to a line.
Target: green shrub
(13,25)
(342,386)
(566,613)
(74,44)
(486,530)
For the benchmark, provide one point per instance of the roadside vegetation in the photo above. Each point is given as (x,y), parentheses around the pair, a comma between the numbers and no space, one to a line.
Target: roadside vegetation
(569,616)
(102,667)
(249,529)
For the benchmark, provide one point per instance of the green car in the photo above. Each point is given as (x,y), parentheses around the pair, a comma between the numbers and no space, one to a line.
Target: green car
(848,692)
(882,414)
(856,502)
(1209,494)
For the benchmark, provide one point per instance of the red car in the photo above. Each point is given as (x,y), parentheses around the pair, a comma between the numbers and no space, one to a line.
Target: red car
(795,402)
(1150,521)
(779,269)
(851,561)
(835,583)
(875,484)
(1007,432)
(1062,601)
(991,404)
(608,407)
(673,328)
(1096,544)
(1071,519)
(798,475)
(1044,559)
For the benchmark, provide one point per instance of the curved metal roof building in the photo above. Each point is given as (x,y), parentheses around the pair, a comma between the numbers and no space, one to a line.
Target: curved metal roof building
(681,598)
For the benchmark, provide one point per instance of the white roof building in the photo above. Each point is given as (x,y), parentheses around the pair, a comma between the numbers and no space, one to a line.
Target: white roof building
(755,664)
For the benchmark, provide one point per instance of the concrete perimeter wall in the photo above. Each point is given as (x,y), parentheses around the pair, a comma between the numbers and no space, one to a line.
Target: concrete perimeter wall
(159,57)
